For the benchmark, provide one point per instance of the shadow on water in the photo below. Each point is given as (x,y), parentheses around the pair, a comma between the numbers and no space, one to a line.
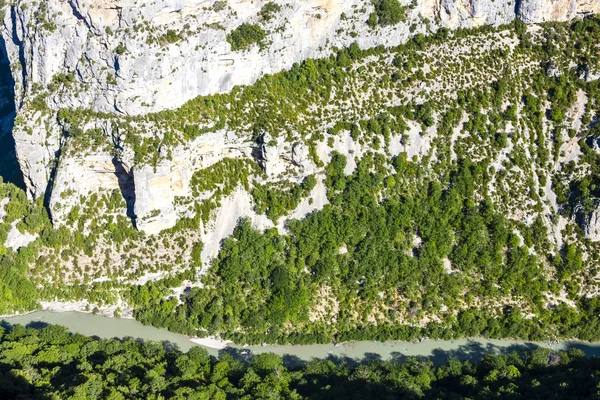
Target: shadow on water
(37,325)
(9,166)
(588,350)
(472,351)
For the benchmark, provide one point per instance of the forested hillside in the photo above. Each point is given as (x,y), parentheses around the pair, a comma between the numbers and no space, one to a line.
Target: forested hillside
(51,363)
(447,187)
(464,240)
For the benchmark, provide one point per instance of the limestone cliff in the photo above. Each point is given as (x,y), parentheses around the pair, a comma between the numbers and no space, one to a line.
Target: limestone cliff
(133,57)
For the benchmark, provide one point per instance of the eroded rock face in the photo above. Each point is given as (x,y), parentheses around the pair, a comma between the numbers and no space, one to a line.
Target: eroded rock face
(455,13)
(157,187)
(37,145)
(83,175)
(536,11)
(592,226)
(272,153)
(301,158)
(155,191)
(278,157)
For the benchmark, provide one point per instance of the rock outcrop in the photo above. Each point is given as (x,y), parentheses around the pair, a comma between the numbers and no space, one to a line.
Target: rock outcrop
(157,187)
(591,226)
(133,57)
(83,175)
(536,11)
(473,13)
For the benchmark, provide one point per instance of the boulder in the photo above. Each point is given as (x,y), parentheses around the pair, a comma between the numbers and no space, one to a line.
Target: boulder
(301,157)
(272,155)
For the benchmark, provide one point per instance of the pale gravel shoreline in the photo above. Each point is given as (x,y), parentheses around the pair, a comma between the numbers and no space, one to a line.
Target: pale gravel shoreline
(83,306)
(212,342)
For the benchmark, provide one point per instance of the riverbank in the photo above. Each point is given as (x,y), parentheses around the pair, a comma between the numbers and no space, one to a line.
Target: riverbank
(119,309)
(438,351)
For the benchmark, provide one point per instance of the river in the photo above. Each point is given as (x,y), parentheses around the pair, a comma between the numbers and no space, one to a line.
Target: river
(436,350)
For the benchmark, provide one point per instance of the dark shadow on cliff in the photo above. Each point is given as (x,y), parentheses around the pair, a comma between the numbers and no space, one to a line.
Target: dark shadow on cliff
(517,8)
(127,187)
(9,166)
(50,185)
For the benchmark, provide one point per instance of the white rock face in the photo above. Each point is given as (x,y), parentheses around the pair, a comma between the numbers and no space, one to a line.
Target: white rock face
(301,159)
(37,142)
(455,13)
(276,156)
(149,190)
(82,175)
(592,227)
(155,193)
(157,187)
(15,239)
(536,11)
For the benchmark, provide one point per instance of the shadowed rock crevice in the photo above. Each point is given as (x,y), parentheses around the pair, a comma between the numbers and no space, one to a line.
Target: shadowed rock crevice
(517,8)
(50,186)
(127,187)
(9,165)
(16,40)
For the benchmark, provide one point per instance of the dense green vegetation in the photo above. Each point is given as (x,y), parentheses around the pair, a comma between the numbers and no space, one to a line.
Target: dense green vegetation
(246,35)
(353,270)
(267,283)
(17,293)
(269,11)
(386,12)
(50,363)
(278,201)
